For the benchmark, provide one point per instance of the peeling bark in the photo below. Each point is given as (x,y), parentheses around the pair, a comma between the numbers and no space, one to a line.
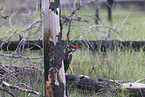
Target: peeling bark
(53,52)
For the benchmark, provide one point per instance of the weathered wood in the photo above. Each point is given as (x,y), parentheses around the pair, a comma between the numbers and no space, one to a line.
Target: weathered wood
(94,45)
(53,52)
(137,89)
(102,84)
(86,82)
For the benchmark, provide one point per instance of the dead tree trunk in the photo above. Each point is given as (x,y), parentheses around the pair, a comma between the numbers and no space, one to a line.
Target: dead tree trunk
(97,18)
(110,4)
(53,52)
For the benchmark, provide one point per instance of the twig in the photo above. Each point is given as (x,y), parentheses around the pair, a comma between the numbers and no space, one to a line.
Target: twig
(71,15)
(139,80)
(124,19)
(18,56)
(10,19)
(66,19)
(3,24)
(93,26)
(140,92)
(19,88)
(7,92)
(28,28)
(73,12)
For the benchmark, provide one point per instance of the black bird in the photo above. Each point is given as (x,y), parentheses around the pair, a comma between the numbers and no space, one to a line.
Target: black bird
(68,57)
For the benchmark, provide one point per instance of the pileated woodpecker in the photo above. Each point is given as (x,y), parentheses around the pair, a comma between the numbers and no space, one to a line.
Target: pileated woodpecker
(68,57)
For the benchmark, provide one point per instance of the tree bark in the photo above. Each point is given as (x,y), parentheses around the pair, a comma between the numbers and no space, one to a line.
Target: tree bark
(53,52)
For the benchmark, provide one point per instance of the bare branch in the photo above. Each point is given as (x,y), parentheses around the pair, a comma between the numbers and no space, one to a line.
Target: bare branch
(139,80)
(28,28)
(19,56)
(19,88)
(7,92)
(71,17)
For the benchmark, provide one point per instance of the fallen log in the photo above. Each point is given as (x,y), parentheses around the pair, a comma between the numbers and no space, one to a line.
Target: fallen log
(19,45)
(134,88)
(102,45)
(88,83)
(102,84)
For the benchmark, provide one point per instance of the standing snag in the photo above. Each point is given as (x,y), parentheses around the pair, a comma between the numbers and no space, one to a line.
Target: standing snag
(53,53)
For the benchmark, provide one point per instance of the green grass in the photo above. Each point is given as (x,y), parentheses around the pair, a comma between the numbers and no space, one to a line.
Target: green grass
(111,64)
(124,65)
(131,29)
(118,65)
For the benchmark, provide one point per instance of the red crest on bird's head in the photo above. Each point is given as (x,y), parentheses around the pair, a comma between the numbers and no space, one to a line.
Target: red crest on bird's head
(75,46)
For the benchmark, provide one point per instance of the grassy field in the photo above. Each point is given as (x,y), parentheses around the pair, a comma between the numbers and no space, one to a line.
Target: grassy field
(128,25)
(124,65)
